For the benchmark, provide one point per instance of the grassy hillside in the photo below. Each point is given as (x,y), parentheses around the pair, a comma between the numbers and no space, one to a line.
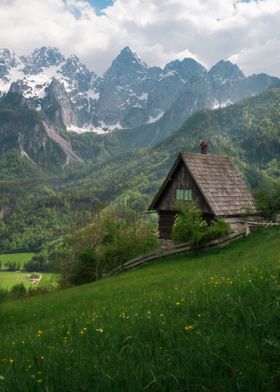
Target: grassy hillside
(207,321)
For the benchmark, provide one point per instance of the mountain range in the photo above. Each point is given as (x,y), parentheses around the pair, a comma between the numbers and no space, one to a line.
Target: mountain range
(38,205)
(55,111)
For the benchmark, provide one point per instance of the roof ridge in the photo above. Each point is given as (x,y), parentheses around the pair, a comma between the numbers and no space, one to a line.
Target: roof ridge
(205,155)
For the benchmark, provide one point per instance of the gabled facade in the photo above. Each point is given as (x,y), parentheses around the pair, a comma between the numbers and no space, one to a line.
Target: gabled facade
(210,181)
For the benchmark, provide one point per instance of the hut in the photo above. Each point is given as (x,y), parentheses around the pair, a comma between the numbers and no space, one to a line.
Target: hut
(209,180)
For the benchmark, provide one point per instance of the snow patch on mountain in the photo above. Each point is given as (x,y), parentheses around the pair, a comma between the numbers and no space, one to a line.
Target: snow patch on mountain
(93,94)
(218,105)
(87,128)
(168,74)
(153,119)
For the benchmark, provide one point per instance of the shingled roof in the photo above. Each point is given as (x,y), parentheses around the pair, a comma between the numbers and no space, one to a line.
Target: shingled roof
(220,184)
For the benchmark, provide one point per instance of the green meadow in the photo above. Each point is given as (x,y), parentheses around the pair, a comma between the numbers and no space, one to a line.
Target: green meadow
(9,279)
(18,258)
(205,321)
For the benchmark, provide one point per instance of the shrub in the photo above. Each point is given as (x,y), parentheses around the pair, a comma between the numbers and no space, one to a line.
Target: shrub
(268,200)
(217,229)
(85,267)
(3,295)
(18,291)
(190,227)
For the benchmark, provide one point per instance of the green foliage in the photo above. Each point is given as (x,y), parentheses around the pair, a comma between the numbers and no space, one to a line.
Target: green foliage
(12,266)
(4,295)
(206,321)
(189,226)
(39,263)
(84,268)
(38,214)
(40,206)
(113,237)
(268,199)
(18,291)
(218,228)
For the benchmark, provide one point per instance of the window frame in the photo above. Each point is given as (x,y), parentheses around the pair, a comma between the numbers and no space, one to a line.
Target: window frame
(184,194)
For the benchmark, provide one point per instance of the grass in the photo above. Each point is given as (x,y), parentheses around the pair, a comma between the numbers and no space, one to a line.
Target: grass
(9,279)
(18,258)
(207,321)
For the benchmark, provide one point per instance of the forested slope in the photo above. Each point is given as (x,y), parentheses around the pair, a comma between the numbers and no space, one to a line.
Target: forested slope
(248,132)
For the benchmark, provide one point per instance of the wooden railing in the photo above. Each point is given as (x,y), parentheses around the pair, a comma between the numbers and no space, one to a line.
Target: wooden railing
(177,249)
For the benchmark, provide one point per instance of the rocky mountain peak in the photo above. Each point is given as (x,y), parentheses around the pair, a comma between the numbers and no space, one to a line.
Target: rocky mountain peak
(7,60)
(42,58)
(73,60)
(130,93)
(126,54)
(6,54)
(57,105)
(225,71)
(187,68)
(74,70)
(126,62)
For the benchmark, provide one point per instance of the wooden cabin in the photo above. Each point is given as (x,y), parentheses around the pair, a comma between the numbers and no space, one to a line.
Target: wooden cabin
(209,180)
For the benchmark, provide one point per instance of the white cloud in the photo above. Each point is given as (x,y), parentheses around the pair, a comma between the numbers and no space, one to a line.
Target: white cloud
(158,30)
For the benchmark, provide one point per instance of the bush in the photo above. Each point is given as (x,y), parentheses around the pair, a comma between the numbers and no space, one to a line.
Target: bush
(18,291)
(85,268)
(3,295)
(217,229)
(190,227)
(268,200)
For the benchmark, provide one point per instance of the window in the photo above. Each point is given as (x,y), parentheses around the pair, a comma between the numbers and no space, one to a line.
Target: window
(184,194)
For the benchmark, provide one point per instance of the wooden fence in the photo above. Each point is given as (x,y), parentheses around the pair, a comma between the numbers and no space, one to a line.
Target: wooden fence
(178,249)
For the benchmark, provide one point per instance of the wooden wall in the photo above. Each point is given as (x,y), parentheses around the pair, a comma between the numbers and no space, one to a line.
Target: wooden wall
(165,224)
(181,179)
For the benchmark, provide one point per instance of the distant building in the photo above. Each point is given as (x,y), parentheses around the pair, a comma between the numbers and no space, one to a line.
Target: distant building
(209,180)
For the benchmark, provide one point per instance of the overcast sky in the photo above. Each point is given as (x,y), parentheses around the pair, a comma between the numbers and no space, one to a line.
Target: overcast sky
(245,32)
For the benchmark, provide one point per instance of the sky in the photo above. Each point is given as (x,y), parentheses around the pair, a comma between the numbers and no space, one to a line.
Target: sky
(244,32)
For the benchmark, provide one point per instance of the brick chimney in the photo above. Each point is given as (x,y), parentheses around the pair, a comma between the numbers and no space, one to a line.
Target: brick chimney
(203,146)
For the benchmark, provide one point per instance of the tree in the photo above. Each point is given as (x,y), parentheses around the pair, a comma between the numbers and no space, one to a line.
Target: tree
(113,237)
(268,199)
